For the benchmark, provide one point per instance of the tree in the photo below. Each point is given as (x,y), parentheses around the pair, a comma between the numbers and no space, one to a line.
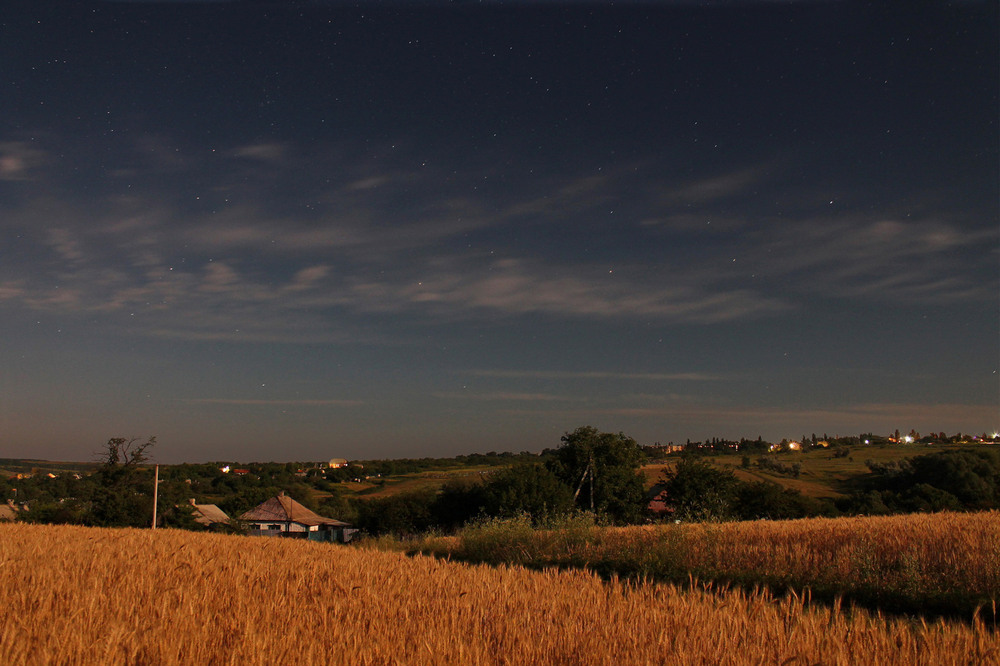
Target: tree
(127,453)
(122,499)
(765,499)
(973,477)
(603,471)
(945,480)
(527,489)
(924,497)
(337,506)
(405,514)
(697,491)
(70,512)
(459,501)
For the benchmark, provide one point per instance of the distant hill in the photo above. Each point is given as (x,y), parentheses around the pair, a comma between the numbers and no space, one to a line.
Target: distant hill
(14,466)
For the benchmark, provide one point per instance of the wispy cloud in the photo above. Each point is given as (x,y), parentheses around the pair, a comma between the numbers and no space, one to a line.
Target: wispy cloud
(566,198)
(275,403)
(232,297)
(713,188)
(18,159)
(11,290)
(630,376)
(369,183)
(889,259)
(266,152)
(407,243)
(691,419)
(517,287)
(704,222)
(501,396)
(878,417)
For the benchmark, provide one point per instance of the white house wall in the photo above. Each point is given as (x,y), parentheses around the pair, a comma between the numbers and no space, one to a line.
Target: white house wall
(286,527)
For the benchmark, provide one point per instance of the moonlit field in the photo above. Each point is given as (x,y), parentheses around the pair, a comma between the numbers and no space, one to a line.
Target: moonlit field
(86,595)
(548,331)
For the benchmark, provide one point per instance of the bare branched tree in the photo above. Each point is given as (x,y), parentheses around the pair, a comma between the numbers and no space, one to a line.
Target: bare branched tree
(127,451)
(123,499)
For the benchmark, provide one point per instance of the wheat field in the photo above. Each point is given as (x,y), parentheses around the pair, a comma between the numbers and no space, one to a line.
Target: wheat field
(75,595)
(917,563)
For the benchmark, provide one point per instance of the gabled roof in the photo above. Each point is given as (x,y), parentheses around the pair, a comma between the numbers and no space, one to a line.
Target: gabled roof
(9,511)
(283,508)
(656,499)
(208,514)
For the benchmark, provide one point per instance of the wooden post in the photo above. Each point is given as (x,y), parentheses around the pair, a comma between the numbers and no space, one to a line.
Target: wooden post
(156,488)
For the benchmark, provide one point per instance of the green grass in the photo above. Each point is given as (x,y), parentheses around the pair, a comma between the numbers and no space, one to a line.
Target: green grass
(14,466)
(822,475)
(413,482)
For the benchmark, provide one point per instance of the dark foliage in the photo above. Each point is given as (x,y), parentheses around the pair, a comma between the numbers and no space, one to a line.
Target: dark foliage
(603,470)
(118,490)
(125,488)
(530,489)
(401,515)
(698,491)
(763,499)
(949,480)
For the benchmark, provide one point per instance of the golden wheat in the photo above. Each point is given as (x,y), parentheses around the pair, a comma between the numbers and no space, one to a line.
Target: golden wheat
(83,596)
(947,562)
(925,551)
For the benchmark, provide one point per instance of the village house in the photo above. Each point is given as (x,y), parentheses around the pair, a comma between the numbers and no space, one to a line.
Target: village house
(283,516)
(9,511)
(208,515)
(656,501)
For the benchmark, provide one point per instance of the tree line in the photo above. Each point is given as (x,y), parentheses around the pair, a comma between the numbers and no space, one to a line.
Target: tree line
(590,471)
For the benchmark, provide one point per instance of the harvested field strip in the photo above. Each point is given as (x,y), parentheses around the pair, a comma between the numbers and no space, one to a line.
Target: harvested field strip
(99,596)
(945,563)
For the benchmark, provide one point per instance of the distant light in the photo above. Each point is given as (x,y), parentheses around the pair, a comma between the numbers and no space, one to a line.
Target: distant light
(908,439)
(867,441)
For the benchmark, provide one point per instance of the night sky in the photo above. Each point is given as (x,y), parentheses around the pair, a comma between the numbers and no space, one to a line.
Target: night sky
(296,230)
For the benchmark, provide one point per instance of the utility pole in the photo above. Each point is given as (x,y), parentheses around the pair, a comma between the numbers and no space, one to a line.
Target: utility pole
(156,489)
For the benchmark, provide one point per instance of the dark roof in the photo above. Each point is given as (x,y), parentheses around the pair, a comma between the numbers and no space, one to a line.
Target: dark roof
(656,499)
(283,508)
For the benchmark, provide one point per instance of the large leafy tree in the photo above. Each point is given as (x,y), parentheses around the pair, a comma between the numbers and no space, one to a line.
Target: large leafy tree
(405,514)
(527,489)
(973,477)
(697,491)
(959,479)
(603,470)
